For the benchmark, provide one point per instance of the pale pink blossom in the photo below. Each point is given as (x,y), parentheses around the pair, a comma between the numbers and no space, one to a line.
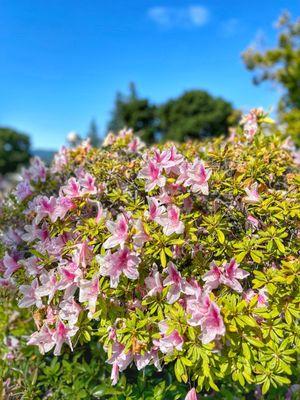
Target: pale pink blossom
(197,178)
(11,264)
(191,395)
(45,208)
(212,278)
(171,221)
(23,190)
(72,189)
(32,265)
(43,339)
(63,205)
(69,311)
(62,334)
(153,283)
(135,145)
(152,174)
(83,254)
(119,231)
(49,285)
(212,324)
(140,237)
(175,282)
(231,275)
(252,194)
(168,342)
(114,264)
(88,292)
(88,184)
(30,296)
(253,221)
(155,209)
(119,360)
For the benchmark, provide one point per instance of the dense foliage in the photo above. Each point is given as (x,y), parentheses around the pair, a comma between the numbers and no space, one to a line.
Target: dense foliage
(183,258)
(195,114)
(282,66)
(14,150)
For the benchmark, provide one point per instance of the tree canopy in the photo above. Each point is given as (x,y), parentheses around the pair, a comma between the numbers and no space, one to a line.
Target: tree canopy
(14,150)
(93,135)
(196,114)
(281,65)
(134,112)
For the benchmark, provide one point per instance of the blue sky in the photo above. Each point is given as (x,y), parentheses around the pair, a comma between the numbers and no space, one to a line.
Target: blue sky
(62,61)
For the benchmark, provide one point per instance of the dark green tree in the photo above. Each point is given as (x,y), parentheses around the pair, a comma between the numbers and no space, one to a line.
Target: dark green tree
(93,135)
(134,112)
(196,114)
(281,65)
(14,150)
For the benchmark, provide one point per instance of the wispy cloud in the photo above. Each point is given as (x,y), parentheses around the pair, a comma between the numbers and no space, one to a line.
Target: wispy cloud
(230,27)
(179,17)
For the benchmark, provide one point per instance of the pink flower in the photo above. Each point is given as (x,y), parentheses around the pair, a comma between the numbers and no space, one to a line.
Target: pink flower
(155,209)
(89,290)
(72,189)
(231,275)
(175,282)
(23,190)
(212,278)
(252,194)
(31,232)
(168,343)
(171,222)
(140,237)
(83,254)
(43,339)
(30,297)
(119,360)
(45,207)
(11,264)
(88,184)
(198,309)
(262,297)
(63,205)
(62,334)
(37,170)
(191,395)
(198,177)
(250,122)
(152,174)
(119,230)
(50,285)
(122,261)
(135,145)
(32,265)
(69,311)
(153,283)
(253,221)
(212,324)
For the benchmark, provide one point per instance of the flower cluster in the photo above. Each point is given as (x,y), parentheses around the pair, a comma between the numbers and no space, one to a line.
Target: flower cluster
(166,254)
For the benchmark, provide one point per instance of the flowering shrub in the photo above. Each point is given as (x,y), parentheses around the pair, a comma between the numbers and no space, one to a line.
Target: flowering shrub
(182,255)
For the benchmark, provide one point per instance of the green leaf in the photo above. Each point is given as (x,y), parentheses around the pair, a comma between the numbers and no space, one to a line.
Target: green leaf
(221,236)
(163,258)
(265,386)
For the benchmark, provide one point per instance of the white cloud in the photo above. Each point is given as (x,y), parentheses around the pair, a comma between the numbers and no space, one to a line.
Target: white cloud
(179,17)
(230,27)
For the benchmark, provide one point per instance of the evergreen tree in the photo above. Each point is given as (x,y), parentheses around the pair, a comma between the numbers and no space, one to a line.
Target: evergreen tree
(14,150)
(282,66)
(134,112)
(93,135)
(196,114)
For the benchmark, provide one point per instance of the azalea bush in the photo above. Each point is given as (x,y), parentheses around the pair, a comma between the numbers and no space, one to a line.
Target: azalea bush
(181,259)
